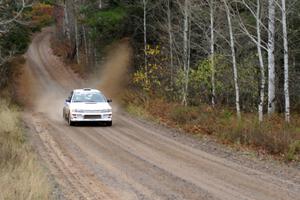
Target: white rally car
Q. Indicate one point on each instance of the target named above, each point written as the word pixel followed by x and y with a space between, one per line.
pixel 87 105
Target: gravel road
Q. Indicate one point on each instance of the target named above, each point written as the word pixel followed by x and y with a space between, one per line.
pixel 131 159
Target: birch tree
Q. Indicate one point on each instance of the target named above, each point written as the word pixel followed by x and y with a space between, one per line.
pixel 66 29
pixel 186 50
pixel 286 61
pixel 74 8
pixel 170 39
pixel 85 45
pixel 212 52
pixel 234 63
pixel 100 4
pixel 271 58
pixel 261 63
pixel 144 2
pixel 258 42
pixel 77 41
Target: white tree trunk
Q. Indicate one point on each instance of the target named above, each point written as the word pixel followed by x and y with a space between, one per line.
pixel 258 41
pixel 261 64
pixel 145 36
pixel 77 41
pixel 185 52
pixel 100 4
pixel 96 56
pixel 170 39
pixel 66 22
pixel 234 64
pixel 271 58
pixel 286 62
pixel 212 52
pixel 90 53
pixel 85 46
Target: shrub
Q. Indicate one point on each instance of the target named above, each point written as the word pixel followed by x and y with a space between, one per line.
pixel 182 114
pixel 40 15
pixel 272 135
pixel 17 39
pixel 136 110
pixel 294 151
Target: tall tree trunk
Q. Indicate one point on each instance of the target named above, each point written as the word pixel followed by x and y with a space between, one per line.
pixel 170 40
pixel 91 53
pixel 85 45
pixel 77 41
pixel 186 52
pixel 96 56
pixel 100 4
pixel 261 64
pixel 271 58
pixel 212 52
pixel 286 62
pixel 234 64
pixel 66 22
pixel 145 36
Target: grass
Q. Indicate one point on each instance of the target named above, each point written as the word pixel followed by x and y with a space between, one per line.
pixel 294 151
pixel 137 111
pixel 273 136
pixel 21 176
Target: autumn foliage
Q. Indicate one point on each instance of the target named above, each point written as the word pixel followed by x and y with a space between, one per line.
pixel 40 15
pixel 273 136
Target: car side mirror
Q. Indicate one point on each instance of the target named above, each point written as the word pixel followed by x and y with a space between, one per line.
pixel 67 100
pixel 109 100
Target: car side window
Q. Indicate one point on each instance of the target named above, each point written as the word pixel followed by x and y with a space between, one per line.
pixel 70 97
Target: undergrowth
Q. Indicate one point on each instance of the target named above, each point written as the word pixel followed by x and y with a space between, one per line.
pixel 273 136
pixel 21 176
pixel 63 50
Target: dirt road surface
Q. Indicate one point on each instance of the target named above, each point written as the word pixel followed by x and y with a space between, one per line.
pixel 131 159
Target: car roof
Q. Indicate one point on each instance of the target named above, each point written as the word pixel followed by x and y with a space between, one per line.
pixel 86 90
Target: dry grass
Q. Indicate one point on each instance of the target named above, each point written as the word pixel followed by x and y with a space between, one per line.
pixel 21 176
pixel 273 136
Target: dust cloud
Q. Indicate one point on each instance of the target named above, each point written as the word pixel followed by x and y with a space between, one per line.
pixel 112 77
pixel 52 84
pixel 51 103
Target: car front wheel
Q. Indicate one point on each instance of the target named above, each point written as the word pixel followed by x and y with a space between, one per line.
pixel 70 121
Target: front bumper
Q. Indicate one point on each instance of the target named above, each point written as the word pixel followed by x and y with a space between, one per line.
pixel 91 117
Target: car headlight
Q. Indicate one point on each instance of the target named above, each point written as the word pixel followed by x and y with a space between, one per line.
pixel 78 110
pixel 106 111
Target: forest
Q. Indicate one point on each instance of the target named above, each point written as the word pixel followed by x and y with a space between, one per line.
pixel 228 68
pixel 241 54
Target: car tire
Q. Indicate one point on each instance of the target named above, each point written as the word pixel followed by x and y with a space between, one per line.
pixel 69 121
pixel 109 123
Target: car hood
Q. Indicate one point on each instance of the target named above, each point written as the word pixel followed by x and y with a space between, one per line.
pixel 90 106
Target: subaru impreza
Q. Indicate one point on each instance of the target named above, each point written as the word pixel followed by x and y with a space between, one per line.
pixel 87 105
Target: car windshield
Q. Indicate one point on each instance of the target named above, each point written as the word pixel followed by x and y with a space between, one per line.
pixel 88 97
